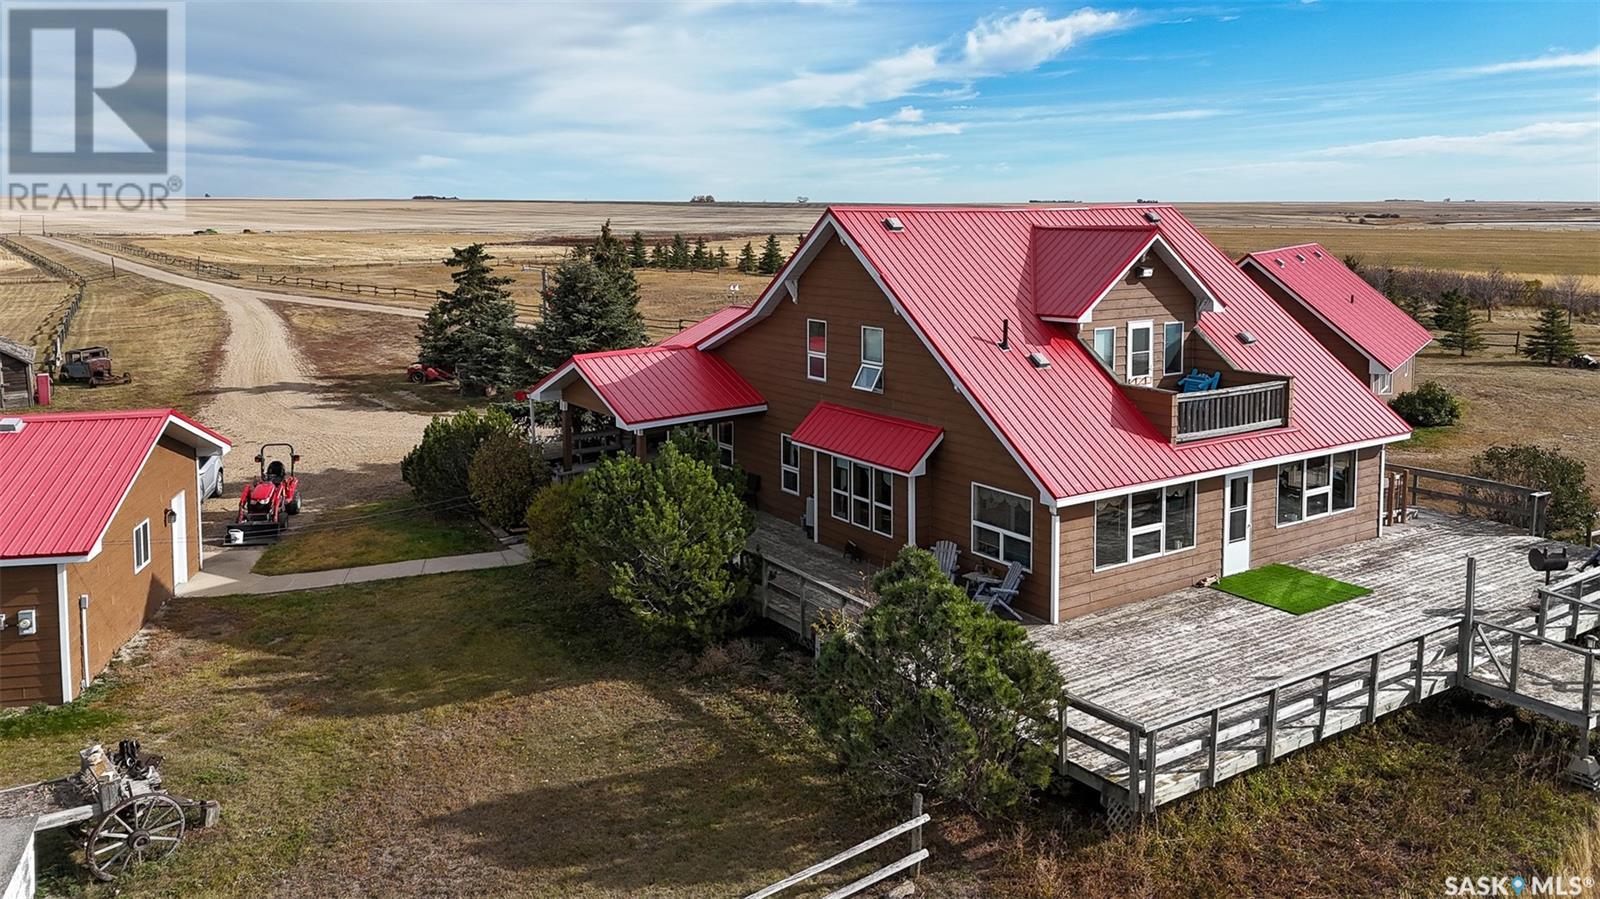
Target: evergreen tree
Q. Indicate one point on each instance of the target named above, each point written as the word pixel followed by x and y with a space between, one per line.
pixel 587 308
pixel 1552 339
pixel 658 256
pixel 608 251
pixel 1454 316
pixel 700 258
pixel 747 259
pixel 473 328
pixel 636 252
pixel 680 252
pixel 722 258
pixel 771 256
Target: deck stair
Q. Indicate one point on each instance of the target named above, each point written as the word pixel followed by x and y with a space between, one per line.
pixel 1534 658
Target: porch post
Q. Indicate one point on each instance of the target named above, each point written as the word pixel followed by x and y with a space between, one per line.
pixel 911 510
pixel 566 436
pixel 639 446
pixel 816 500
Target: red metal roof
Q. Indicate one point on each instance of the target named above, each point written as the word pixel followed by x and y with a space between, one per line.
pixel 705 327
pixel 1074 267
pixel 1345 301
pixel 957 271
pixel 63 477
pixel 651 386
pixel 884 441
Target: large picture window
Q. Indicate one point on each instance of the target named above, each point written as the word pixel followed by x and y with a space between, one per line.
pixel 816 349
pixel 870 375
pixel 1002 526
pixel 789 464
pixel 1318 486
pixel 1172 348
pixel 1144 524
pixel 863 496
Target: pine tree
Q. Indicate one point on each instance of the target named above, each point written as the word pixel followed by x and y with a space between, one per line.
pixel 747 259
pixel 1552 337
pixel 658 256
pixel 587 308
pixel 608 252
pixel 636 252
pixel 680 252
pixel 1413 305
pixel 722 258
pixel 473 328
pixel 1454 316
pixel 771 256
pixel 700 258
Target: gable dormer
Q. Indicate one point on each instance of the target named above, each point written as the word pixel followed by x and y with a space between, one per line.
pixel 1073 270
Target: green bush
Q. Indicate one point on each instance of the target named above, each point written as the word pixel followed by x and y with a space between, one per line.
pixel 552 537
pixel 699 445
pixel 931 692
pixel 1428 406
pixel 1571 511
pixel 505 474
pixel 666 534
pixel 439 468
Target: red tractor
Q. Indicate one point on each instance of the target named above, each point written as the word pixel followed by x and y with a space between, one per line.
pixel 427 374
pixel 268 499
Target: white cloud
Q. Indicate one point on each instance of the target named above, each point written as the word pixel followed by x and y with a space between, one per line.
pixel 1587 60
pixel 1530 141
pixel 907 122
pixel 994 46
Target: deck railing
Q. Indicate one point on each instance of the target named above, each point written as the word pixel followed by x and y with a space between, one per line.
pixel 1566 603
pixel 795 600
pixel 1522 507
pixel 1232 410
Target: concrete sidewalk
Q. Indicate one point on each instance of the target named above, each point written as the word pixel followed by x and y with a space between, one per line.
pixel 227 572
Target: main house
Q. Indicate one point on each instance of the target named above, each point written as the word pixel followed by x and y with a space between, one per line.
pixel 1373 337
pixel 1096 393
pixel 99 523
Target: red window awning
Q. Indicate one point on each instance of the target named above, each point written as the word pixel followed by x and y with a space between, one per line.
pixel 895 444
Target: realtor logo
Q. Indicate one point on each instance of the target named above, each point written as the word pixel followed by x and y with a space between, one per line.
pixel 93 104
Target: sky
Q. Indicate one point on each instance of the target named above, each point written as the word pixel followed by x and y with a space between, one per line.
pixel 895 102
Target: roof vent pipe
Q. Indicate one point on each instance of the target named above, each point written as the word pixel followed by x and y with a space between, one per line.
pixel 1005 334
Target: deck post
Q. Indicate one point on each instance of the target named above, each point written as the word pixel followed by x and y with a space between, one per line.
pixel 1464 653
pixel 1061 734
pixel 1372 687
pixel 1583 769
pixel 766 589
pixel 1422 653
pixel 641 447
pixel 1516 658
pixel 1211 747
pixel 1150 771
pixel 1272 726
pixel 1133 771
pixel 1322 706
pixel 566 436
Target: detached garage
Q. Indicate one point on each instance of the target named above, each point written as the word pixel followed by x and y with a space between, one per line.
pixel 99 523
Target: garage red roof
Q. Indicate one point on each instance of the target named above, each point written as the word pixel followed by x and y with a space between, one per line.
pixel 655 386
pixel 705 327
pixel 1345 301
pixel 1074 267
pixel 63 477
pixel 956 272
pixel 897 444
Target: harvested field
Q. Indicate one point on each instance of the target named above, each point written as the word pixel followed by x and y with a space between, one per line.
pixel 1547 253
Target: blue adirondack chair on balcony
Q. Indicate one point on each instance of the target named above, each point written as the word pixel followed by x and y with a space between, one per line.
pixel 1195 382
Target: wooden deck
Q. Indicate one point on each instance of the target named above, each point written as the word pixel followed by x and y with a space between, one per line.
pixel 799 580
pixel 1174 694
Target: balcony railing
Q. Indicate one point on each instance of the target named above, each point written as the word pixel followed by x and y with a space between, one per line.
pixel 1232 410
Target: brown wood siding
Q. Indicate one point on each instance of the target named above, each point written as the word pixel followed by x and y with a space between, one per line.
pixel 1352 358
pixel 581 394
pixel 1158 299
pixel 120 600
pixel 771 354
pixel 30 667
pixel 1085 590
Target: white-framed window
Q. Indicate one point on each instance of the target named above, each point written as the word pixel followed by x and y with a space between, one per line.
pixel 1002 526
pixel 1144 524
pixel 1139 336
pixel 863 495
pixel 870 375
pixel 816 349
pixel 724 437
pixel 1383 384
pixel 1318 486
pixel 789 464
pixel 141 546
pixel 1105 346
pixel 1172 348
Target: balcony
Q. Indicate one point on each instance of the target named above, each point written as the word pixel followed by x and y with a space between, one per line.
pixel 1249 401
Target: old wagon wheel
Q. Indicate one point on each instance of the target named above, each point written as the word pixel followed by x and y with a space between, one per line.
pixel 144 828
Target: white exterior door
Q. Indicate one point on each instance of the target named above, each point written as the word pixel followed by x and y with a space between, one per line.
pixel 180 539
pixel 1236 524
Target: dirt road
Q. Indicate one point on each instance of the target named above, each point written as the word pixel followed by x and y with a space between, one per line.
pixel 265 391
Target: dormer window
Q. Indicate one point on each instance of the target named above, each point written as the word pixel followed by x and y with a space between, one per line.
pixel 870 375
pixel 1139 334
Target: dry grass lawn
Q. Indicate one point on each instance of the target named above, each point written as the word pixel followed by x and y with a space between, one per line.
pixel 370 371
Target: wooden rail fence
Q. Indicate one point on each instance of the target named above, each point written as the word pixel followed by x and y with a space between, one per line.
pixel 57 340
pixel 1522 507
pixel 377 290
pixel 912 860
pixel 192 263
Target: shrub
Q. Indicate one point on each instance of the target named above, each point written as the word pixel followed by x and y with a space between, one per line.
pixel 438 469
pixel 505 474
pixel 1572 507
pixel 698 445
pixel 552 539
pixel 1428 406
pixel 666 534
pixel 931 692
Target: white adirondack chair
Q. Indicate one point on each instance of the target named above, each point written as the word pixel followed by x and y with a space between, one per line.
pixel 947 553
pixel 1001 595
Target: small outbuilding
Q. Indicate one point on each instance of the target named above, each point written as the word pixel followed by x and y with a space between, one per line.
pixel 99 525
pixel 16 374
